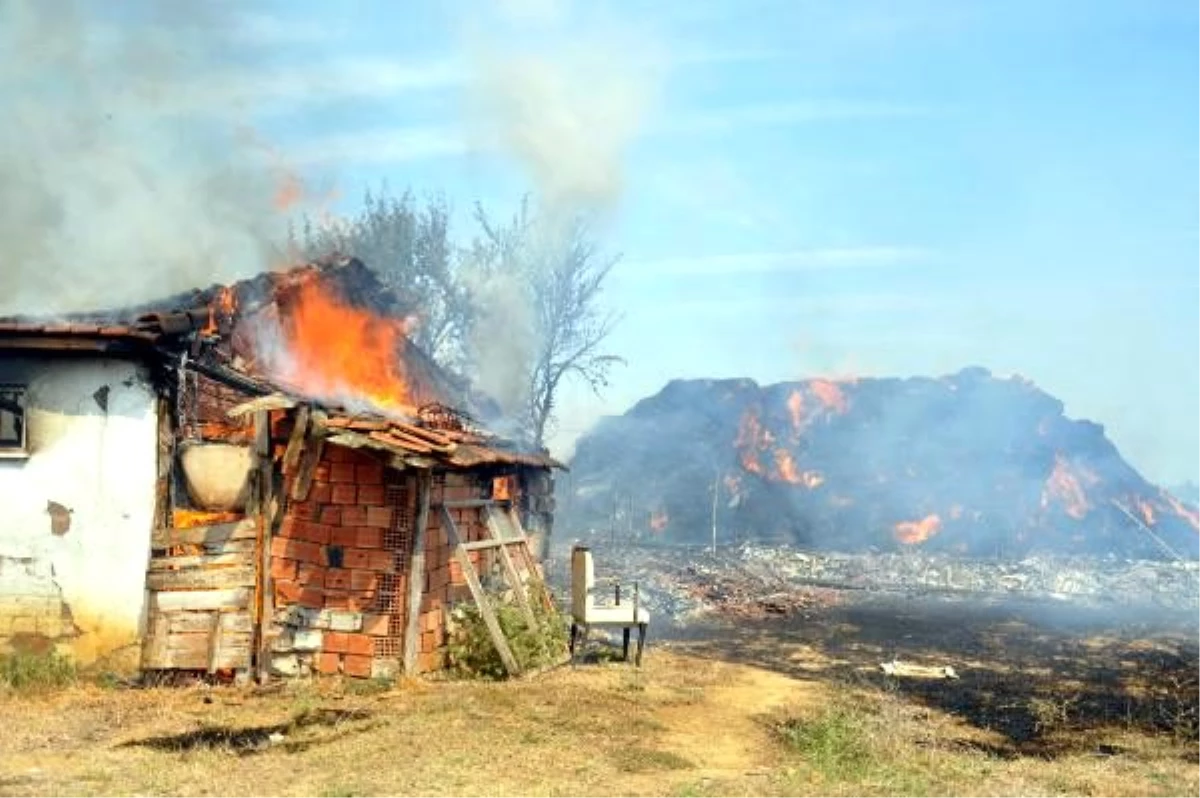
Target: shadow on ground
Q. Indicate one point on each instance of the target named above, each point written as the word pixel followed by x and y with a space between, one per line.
pixel 247 740
pixel 1042 675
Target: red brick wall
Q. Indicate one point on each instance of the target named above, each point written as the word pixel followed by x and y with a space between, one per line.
pixel 350 617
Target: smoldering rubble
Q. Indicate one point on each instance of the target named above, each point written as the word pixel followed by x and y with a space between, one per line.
pixel 682 585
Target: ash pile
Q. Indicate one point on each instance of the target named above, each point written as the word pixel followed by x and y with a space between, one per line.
pixel 968 465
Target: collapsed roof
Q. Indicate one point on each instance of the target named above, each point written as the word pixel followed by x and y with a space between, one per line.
pixel 263 336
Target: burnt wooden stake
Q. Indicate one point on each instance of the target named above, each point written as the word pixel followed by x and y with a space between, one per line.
pixel 266 507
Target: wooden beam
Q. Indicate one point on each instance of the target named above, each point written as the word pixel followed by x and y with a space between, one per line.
pixel 481 598
pixel 416 574
pixel 295 445
pixel 201 600
pixel 313 449
pixel 275 401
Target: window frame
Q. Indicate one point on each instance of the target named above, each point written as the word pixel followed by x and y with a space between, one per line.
pixel 18 394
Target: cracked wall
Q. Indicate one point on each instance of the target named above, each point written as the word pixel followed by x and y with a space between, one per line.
pixel 77 511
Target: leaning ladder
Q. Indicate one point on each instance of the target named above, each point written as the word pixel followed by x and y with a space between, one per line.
pixel 504 530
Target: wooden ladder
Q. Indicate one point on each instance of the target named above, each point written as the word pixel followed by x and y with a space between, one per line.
pixel 504 530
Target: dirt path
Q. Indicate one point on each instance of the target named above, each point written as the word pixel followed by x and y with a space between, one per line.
pixel 727 736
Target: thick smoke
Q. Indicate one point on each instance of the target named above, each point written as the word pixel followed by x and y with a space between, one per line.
pixel 123 173
pixel 562 97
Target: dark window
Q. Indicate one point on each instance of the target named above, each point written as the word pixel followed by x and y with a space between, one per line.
pixel 12 421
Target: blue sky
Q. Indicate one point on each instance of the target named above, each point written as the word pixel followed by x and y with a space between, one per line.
pixel 804 188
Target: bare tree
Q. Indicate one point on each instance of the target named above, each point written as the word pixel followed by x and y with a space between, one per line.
pixel 409 248
pixel 562 271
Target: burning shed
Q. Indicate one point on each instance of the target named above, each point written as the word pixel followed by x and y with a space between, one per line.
pixel 261 478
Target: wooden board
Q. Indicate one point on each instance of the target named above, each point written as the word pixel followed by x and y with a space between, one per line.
pixel 210 535
pixel 416 574
pixel 202 579
pixel 199 561
pixel 197 641
pixel 495 526
pixel 231 599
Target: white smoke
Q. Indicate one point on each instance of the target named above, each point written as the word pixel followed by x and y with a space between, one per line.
pixel 115 185
pixel 563 95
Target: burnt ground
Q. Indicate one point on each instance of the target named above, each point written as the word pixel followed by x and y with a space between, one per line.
pixel 1048 677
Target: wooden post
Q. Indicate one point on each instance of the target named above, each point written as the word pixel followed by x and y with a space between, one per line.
pixel 416 574
pixel 266 501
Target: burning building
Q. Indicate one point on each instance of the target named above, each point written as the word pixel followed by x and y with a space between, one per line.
pixel 966 464
pixel 267 477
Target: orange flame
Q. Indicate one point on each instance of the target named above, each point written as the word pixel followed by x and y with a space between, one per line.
pixel 222 307
pixel 829 395
pixel 659 520
pixel 795 406
pixel 1147 512
pixel 913 532
pixel 1185 512
pixel 187 519
pixel 1063 487
pixel 751 439
pixel 289 192
pixel 337 351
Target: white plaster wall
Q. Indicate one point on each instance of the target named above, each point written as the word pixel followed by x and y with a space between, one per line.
pixel 102 466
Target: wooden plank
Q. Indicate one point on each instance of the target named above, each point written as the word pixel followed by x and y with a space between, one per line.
pixel 471 504
pixel 206 579
pixel 427 435
pixel 480 545
pixel 195 652
pixel 191 621
pixel 481 598
pixel 275 401
pixel 416 574
pixel 295 445
pixel 155 642
pixel 232 598
pixel 199 561
pixel 214 641
pixel 514 579
pixel 314 447
pixel 209 535
pixel 402 442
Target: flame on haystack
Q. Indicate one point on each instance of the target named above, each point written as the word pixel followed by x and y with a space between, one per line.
pixel 1181 509
pixel 752 438
pixel 829 395
pixel 337 351
pixel 1064 487
pixel 913 532
pixel 795 406
pixel 659 520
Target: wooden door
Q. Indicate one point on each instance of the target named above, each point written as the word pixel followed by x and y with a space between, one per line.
pixel 201 589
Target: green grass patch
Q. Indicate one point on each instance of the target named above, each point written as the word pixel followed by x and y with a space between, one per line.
pixel 835 743
pixel 31 673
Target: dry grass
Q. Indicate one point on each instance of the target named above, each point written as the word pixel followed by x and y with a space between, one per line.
pixel 680 726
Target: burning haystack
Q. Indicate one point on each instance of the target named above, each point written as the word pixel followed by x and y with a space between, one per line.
pixel 966 464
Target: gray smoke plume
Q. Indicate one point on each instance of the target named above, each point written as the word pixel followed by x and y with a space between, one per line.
pixel 122 175
pixel 563 98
